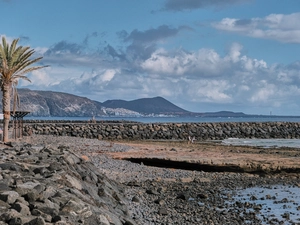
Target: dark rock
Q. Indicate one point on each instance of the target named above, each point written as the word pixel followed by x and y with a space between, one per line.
pixel 163 211
pixel 151 192
pixel 202 196
pixel 15 221
pixel 36 221
pixel 9 166
pixel 135 199
pixel 183 196
pixel 159 201
pixel 9 196
pixel 21 208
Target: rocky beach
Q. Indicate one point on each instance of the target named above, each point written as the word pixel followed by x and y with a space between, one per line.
pixel 50 179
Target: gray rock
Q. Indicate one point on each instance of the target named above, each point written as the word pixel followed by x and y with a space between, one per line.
pixel 36 221
pixel 21 208
pixel 9 196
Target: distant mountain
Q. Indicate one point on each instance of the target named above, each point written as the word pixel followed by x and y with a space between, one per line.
pixel 50 103
pixel 223 114
pixel 157 105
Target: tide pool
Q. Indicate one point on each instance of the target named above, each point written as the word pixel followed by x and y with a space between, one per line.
pixel 266 143
pixel 278 204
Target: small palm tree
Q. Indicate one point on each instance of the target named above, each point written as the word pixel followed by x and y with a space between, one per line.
pixel 14 63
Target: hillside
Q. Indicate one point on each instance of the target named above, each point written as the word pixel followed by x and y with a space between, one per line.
pixel 59 104
pixel 157 105
pixel 49 103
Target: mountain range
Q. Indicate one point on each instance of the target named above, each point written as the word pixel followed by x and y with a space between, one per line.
pixel 59 104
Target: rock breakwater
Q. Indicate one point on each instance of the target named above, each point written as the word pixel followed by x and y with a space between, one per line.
pixel 42 184
pixel 176 131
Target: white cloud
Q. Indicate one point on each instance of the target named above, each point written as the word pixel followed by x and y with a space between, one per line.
pixel 199 77
pixel 265 92
pixel 280 27
pixel 40 50
pixel 204 62
pixel 210 91
pixel 108 75
pixel 235 52
pixel 39 77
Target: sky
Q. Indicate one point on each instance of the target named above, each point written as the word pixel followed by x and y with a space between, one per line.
pixel 201 55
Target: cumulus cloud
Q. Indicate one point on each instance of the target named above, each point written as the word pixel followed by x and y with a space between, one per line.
pixel 137 45
pixel 200 63
pixel 64 47
pixel 144 43
pixel 203 76
pixel 279 27
pixel 181 5
pixel 66 54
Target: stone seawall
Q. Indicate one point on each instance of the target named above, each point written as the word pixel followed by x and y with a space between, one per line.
pixel 176 131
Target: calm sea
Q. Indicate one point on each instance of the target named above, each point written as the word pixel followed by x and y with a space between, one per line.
pixel 177 119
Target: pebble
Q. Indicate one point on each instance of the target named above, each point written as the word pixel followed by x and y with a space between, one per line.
pixel 157 195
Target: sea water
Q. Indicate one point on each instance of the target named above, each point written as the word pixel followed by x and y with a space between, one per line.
pixel 265 143
pixel 280 202
pixel 166 119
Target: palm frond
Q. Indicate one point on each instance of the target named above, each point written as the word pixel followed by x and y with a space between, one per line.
pixel 21 57
pixel 11 49
pixel 4 44
pixel 22 67
pixel 21 77
pixel 15 55
pixel 15 62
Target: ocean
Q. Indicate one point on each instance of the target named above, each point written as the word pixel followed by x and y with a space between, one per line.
pixel 163 119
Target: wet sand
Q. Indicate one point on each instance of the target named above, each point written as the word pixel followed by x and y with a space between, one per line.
pixel 214 155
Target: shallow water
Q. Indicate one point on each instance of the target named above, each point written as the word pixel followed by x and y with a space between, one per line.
pixel 272 202
pixel 267 143
pixel 277 204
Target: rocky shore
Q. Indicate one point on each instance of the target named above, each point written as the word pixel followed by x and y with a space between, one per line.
pixel 73 180
pixel 45 183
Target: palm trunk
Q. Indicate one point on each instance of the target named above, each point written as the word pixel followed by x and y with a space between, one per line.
pixel 6 90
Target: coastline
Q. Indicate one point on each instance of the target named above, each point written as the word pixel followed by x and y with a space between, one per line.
pixel 165 195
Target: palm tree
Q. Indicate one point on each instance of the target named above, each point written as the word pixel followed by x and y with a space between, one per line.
pixel 14 63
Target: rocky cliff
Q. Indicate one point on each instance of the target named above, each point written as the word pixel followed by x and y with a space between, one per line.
pixel 48 103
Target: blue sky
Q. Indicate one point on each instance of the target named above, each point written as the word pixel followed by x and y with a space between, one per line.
pixel 202 55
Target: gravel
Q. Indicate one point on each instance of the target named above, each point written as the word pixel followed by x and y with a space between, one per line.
pixel 173 196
